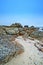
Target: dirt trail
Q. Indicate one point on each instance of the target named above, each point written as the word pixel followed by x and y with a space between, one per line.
pixel 31 55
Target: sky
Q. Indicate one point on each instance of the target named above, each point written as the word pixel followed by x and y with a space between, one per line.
pixel 26 12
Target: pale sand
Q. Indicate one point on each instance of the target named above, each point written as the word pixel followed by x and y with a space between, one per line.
pixel 31 55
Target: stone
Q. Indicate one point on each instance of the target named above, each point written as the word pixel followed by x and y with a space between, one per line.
pixel 12 31
pixel 37 34
pixel 26 26
pixel 2 31
pixel 20 29
pixel 18 25
pixel 22 33
pixel 39 45
pixel 8 50
pixel 19 48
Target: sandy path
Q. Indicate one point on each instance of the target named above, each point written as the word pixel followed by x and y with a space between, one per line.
pixel 31 55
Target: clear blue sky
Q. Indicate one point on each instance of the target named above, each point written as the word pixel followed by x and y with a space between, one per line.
pixel 24 11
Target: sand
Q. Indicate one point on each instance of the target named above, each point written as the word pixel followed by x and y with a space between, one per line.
pixel 31 55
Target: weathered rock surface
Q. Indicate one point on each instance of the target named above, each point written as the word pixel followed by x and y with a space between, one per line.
pixel 39 45
pixel 8 50
pixel 12 31
pixel 37 33
pixel 18 29
pixel 9 47
pixel 2 31
pixel 31 55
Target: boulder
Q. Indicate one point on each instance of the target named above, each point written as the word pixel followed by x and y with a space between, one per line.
pixel 20 29
pixel 26 26
pixel 12 31
pixel 17 25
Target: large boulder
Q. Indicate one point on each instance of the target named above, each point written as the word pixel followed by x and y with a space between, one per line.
pixel 12 31
pixel 8 50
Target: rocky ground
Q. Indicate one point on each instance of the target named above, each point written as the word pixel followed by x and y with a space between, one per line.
pixel 9 49
pixel 24 41
pixel 30 56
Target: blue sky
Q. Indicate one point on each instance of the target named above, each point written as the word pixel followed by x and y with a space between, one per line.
pixel 23 11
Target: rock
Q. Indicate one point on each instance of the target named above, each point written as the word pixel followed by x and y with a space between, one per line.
pixel 21 29
pixel 17 25
pixel 19 48
pixel 12 31
pixel 22 33
pixel 25 35
pixel 26 26
pixel 37 34
pixel 8 50
pixel 2 31
pixel 32 27
pixel 41 49
pixel 39 45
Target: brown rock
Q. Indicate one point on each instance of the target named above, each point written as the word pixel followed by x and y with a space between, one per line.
pixel 39 46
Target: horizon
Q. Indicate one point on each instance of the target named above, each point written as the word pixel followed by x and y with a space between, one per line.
pixel 26 12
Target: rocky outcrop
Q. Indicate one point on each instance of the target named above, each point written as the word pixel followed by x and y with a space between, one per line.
pixel 12 31
pixel 17 29
pixel 9 47
pixel 8 50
